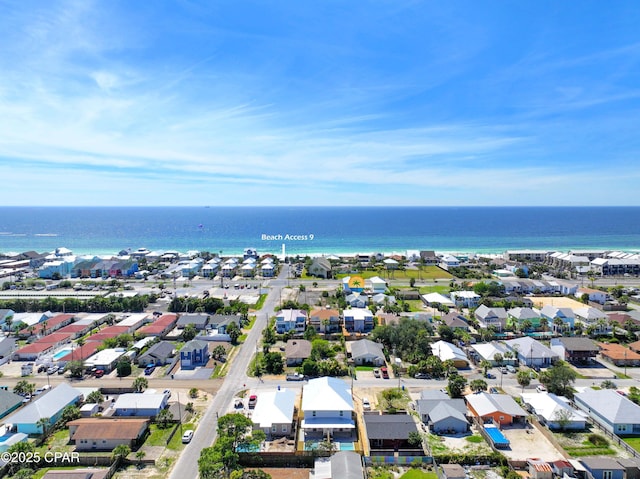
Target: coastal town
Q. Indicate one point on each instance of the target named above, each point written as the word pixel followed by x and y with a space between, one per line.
pixel 413 364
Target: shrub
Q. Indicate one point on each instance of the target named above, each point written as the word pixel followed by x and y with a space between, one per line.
pixel 597 440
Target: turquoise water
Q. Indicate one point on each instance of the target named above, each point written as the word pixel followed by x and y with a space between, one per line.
pixel 347 446
pixel 312 230
pixel 60 354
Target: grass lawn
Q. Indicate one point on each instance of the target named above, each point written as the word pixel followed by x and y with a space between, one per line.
pixel 474 439
pixel 252 321
pixel 176 441
pixel 364 368
pixel 57 442
pixel 436 288
pixel 428 273
pixel 634 442
pixel 157 436
pixel 259 304
pixel 418 474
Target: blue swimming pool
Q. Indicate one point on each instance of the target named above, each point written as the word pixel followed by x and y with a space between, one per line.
pixel 61 354
pixel 497 438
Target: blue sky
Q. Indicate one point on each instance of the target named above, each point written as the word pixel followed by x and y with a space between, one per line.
pixel 319 103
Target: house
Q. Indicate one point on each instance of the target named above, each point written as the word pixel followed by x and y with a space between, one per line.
pixel 595 295
pixel 135 404
pixel 491 317
pixel 7 346
pixel 160 327
pixel 46 406
pixel 434 299
pixel 325 320
pixel 575 349
pixel 198 320
pixel 539 469
pixel 220 322
pixel 552 313
pixel 9 402
pixel 532 352
pixel 382 299
pixel 368 352
pixel 376 285
pixel 428 258
pixel 488 351
pixel 452 471
pixel 357 300
pixel 501 409
pixel 516 317
pixel 341 465
pixel 158 354
pixel 327 406
pixel 611 410
pixel 619 355
pixel 296 351
pixel 291 320
pixel 441 414
pixel 555 411
pixel 447 351
pixel 456 321
pixel 104 434
pixel 274 413
pixel 589 315
pixel 320 268
pixel 389 431
pixel 193 354
pixel 105 359
pixel 602 468
pixel 465 299
pixel 358 320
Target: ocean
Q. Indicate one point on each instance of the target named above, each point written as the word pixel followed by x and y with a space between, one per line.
pixel 316 230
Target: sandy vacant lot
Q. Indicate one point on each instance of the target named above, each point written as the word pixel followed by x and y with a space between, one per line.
pixel 558 302
pixel 529 442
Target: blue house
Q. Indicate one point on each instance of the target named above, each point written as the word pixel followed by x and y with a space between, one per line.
pixel 603 468
pixel 49 405
pixel 193 354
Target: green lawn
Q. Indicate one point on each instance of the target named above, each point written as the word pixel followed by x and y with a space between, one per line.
pixel 259 304
pixel 364 368
pixel 157 436
pixel 436 288
pixel 474 439
pixel 634 442
pixel 428 273
pixel 418 474
pixel 176 441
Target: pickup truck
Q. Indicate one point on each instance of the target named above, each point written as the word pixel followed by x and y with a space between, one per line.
pixel 295 377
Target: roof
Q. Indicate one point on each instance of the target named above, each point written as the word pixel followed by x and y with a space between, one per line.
pixel 489 350
pixel 453 471
pixel 589 313
pixel 612 406
pixel 366 347
pixel 485 404
pixel 445 351
pixel 298 348
pixel 455 320
pixel 324 313
pixel 77 474
pixel 484 312
pixel 530 348
pixel 548 405
pixel 106 428
pixel 579 344
pixel 357 313
pixel 433 394
pixel 161 349
pixel 618 352
pixel 274 407
pixel 437 298
pixel 523 313
pixel 452 408
pixel 46 405
pixel 347 465
pixel 140 401
pixel 194 345
pixel 327 394
pixel 389 426
pixel 8 401
pixel 597 462
pixel 195 319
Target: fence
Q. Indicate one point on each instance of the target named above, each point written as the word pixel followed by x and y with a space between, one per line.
pixel 398 460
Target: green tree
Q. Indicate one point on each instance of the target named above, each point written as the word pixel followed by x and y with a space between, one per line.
pixel 485 365
pixel 75 368
pixel 249 474
pixel 218 352
pixel 140 384
pixel 478 385
pixel 234 332
pixel 189 332
pixel 24 387
pixel 562 417
pixel 43 423
pixel 120 452
pixel 273 363
pixel 164 418
pixel 456 385
pixel 123 366
pixel 193 393
pixel 415 439
pixel 608 384
pixel 70 413
pixel 94 397
pixel 524 378
pixel 559 379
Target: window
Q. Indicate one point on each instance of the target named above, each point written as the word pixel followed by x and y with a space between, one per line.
pixel 341 413
pixel 314 414
pixel 606 474
pixel 284 428
pixel 274 428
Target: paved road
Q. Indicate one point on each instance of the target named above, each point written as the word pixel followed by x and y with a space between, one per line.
pixel 235 380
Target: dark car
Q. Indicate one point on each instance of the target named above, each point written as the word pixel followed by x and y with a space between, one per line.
pixel 422 376
pixel 491 376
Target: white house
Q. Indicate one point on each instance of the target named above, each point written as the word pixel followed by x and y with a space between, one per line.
pixel 359 320
pixel 375 284
pixel 327 404
pixel 274 413
pixel 555 411
pixel 531 352
pixel 465 299
pixel 447 351
pixel 291 320
pixel 146 404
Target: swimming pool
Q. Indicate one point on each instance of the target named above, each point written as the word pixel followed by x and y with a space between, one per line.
pixel 497 438
pixel 61 354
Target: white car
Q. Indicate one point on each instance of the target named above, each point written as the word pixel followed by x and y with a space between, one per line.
pixel 541 389
pixel 187 436
pixel 366 405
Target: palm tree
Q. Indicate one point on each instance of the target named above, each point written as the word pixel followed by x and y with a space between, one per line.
pixel 485 365
pixel 558 324
pixel 43 423
pixel 140 384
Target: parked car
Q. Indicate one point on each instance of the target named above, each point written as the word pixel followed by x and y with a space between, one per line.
pixel 187 436
pixel 511 369
pixel 149 369
pixel 376 373
pixel 253 399
pixel 295 377
pixel 366 405
pixel 99 373
pixel 52 370
pixel 491 376
pixel 422 376
pixel 540 388
pixel 384 372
